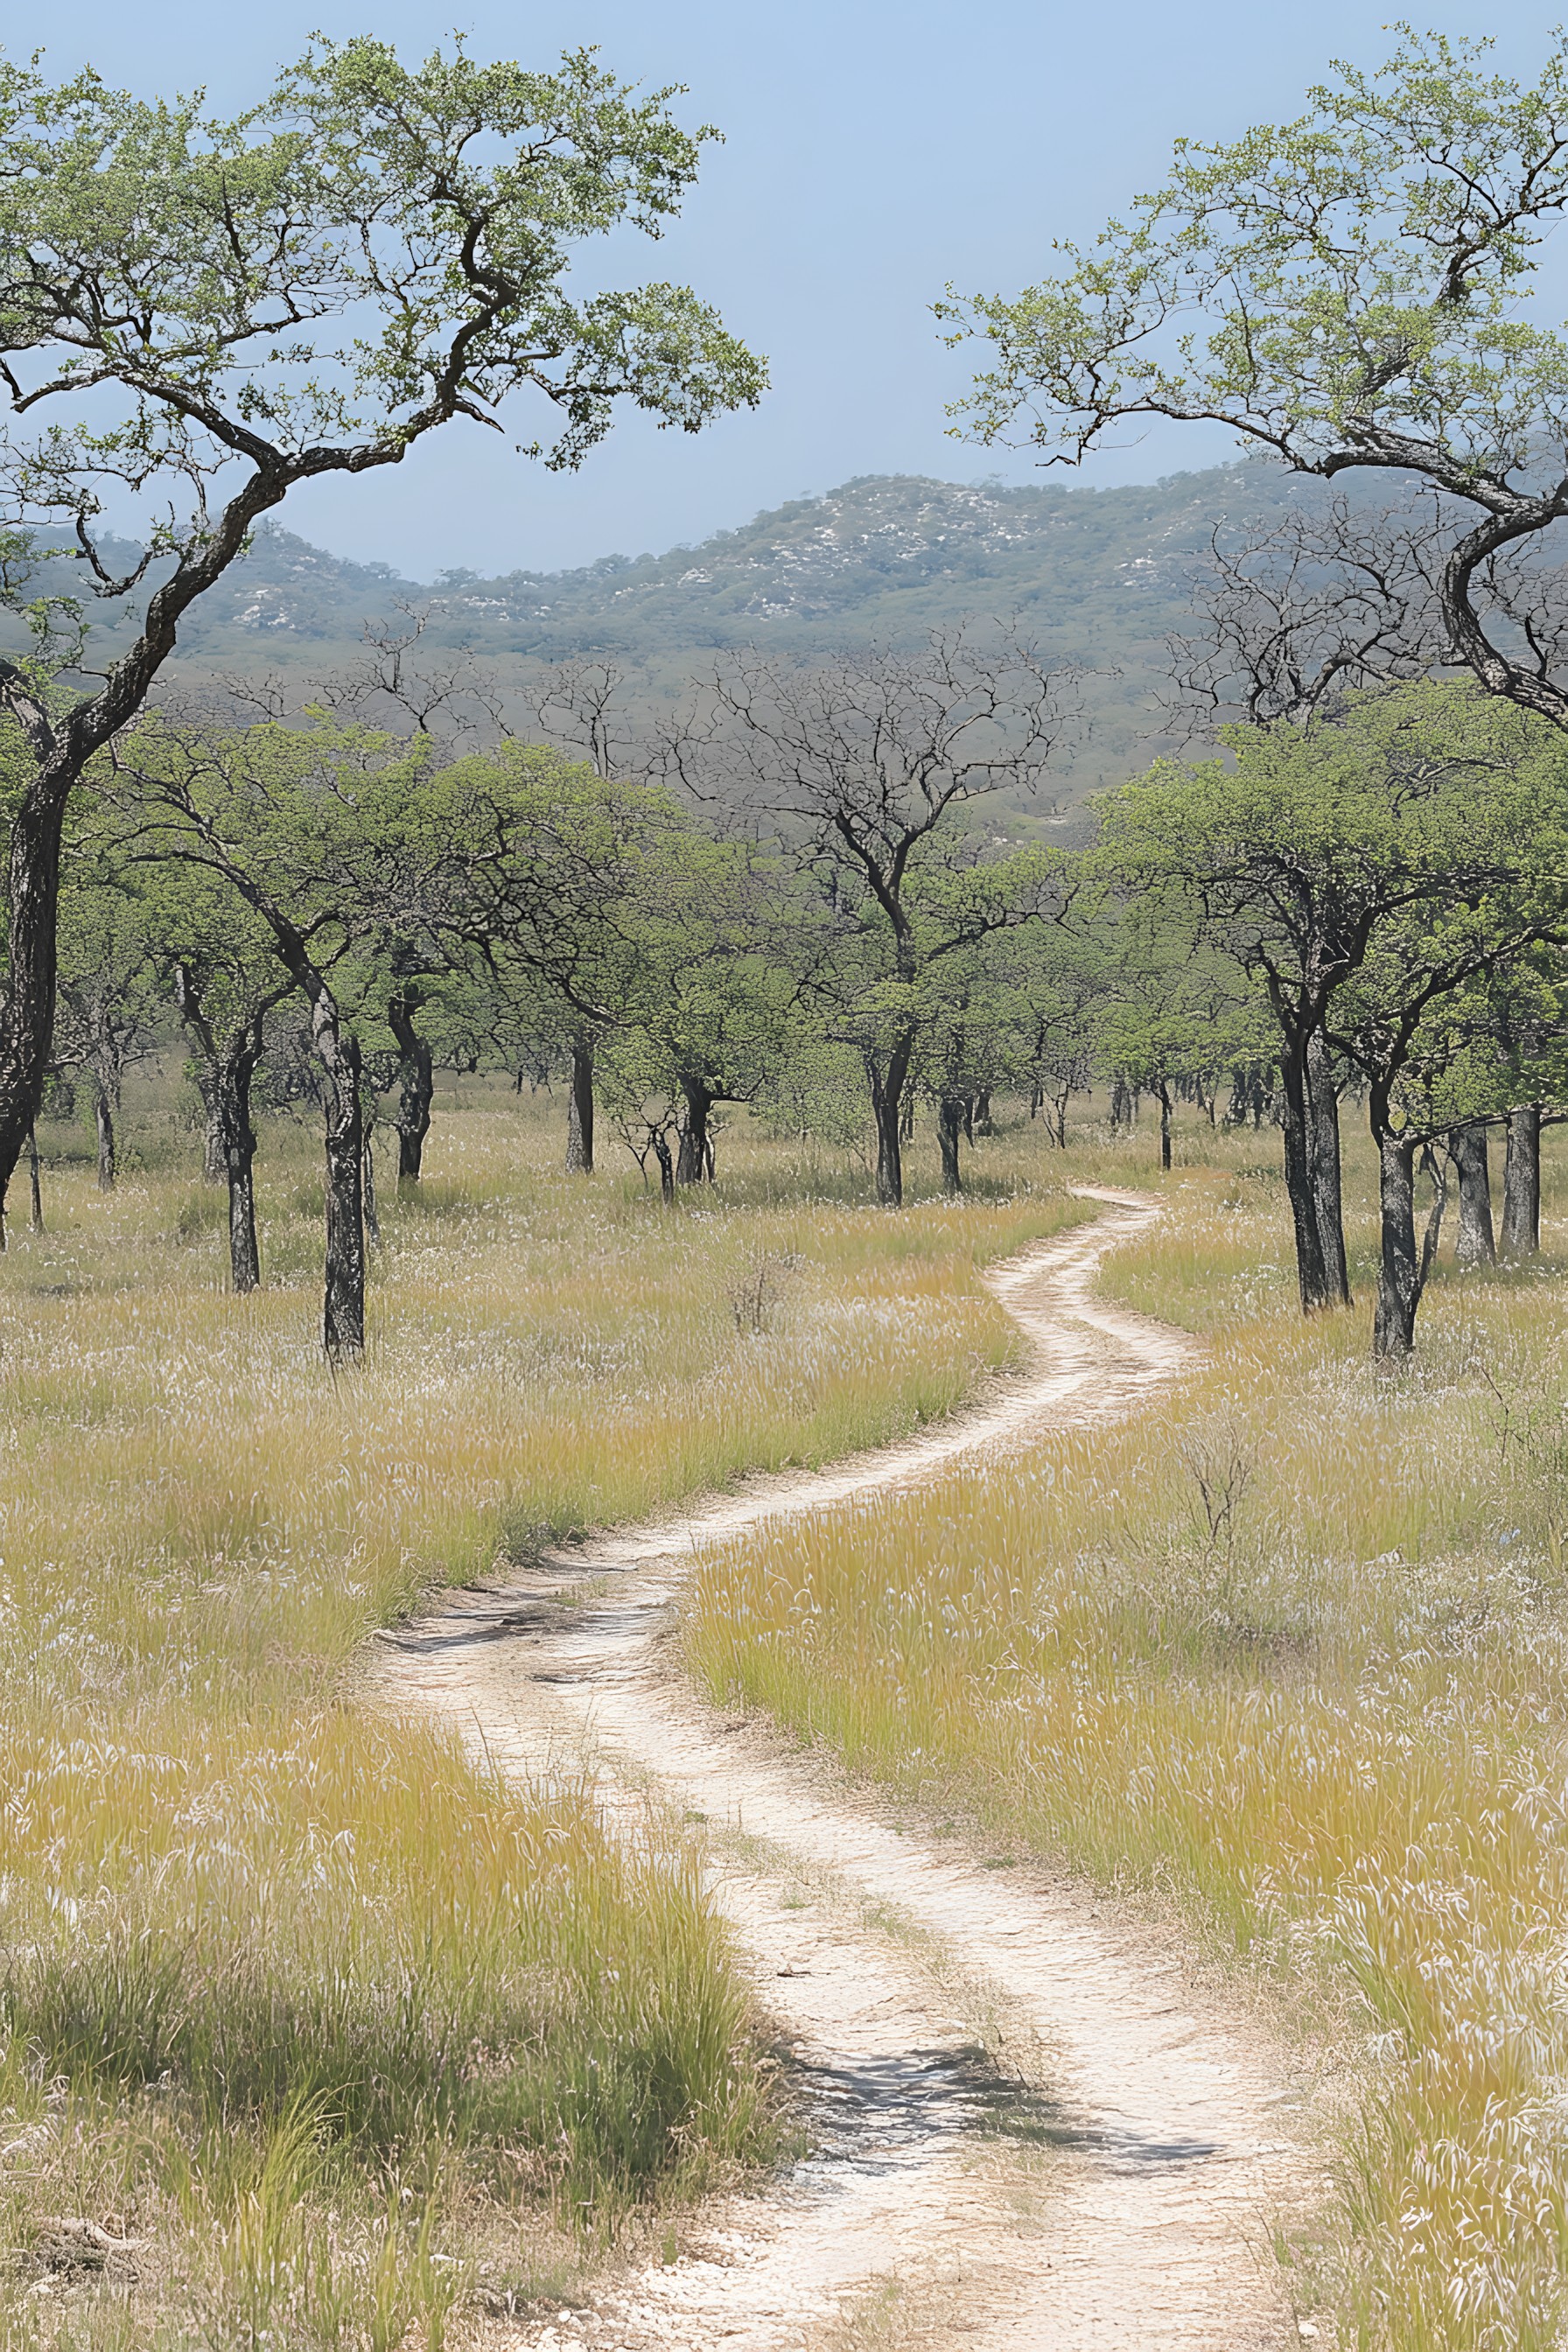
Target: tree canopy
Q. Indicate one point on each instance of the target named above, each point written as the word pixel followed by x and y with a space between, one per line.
pixel 1346 290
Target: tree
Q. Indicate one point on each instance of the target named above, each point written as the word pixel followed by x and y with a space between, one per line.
pixel 1345 292
pixel 548 866
pixel 202 315
pixel 1174 1015
pixel 719 980
pixel 109 1002
pixel 1303 847
pixel 872 763
pixel 224 973
pixel 321 836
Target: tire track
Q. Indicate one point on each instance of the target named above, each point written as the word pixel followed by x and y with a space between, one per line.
pixel 1115 2183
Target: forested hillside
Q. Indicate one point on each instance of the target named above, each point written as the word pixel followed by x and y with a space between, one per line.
pixel 1101 576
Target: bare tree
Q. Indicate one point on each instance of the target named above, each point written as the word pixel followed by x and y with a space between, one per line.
pixel 873 762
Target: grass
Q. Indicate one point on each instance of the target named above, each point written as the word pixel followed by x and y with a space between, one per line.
pixel 1324 1709
pixel 311 2034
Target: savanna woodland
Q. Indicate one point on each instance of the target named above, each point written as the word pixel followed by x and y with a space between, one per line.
pixel 459 1100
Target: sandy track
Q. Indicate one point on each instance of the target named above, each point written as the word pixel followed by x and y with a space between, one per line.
pixel 1104 2173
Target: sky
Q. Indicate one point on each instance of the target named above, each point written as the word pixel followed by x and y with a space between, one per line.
pixel 874 152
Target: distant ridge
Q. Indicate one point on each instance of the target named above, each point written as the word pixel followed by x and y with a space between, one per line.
pixel 1101 577
pixel 889 555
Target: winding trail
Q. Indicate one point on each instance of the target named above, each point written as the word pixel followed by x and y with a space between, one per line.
pixel 1031 2126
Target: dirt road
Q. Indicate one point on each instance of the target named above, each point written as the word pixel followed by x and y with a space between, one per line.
pixel 1030 2127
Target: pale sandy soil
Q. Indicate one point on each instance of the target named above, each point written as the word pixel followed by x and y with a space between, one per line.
pixel 1034 2125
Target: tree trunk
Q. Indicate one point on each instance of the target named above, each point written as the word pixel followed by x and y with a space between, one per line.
pixel 232 1090
pixel 1323 1168
pixel 1162 1095
pixel 1311 1274
pixel 35 1176
pixel 28 1018
pixel 223 1074
pixel 661 1152
pixel 887 1073
pixel 982 1125
pixel 1476 1244
pixel 579 1109
pixel 1522 1185
pixel 417 1086
pixel 949 1128
pixel 372 1219
pixel 103 1117
pixel 694 1163
pixel 1399 1278
pixel 342 1319
pixel 1121 1102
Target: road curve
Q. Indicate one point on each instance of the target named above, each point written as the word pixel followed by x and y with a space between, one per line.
pixel 1031 2129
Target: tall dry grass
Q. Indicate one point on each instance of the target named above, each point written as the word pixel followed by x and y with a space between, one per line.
pixel 304 2024
pixel 1293 1647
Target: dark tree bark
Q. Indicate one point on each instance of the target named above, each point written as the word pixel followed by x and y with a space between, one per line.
pixel 1403 1273
pixel 1399 1278
pixel 949 1129
pixel 1162 1096
pixel 240 1165
pixel 661 1152
pixel 1522 1184
pixel 694 1164
pixel 35 1181
pixel 1323 1168
pixel 227 1068
pixel 342 1317
pixel 887 1073
pixel 981 1110
pixel 1123 1111
pixel 103 1119
pixel 415 1085
pixel 1311 1136
pixel 1476 1243
pixel 1311 1274
pixel 372 1215
pixel 579 1109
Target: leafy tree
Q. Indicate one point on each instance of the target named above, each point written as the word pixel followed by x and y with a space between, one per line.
pixel 107 1014
pixel 318 834
pixel 1054 978
pixel 718 985
pixel 548 868
pixel 1345 291
pixel 1171 1017
pixel 201 315
pixel 1298 850
pixel 224 976
pixel 1363 874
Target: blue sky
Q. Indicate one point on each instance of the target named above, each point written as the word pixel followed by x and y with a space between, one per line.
pixel 874 152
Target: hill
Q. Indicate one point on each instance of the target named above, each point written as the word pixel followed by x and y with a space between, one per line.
pixel 1101 576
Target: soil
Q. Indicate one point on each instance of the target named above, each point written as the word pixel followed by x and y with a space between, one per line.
pixel 1031 2119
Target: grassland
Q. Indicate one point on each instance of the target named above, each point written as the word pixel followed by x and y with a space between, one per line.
pixel 1291 1653
pixel 311 2035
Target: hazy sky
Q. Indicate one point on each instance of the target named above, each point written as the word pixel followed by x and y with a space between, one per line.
pixel 874 152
